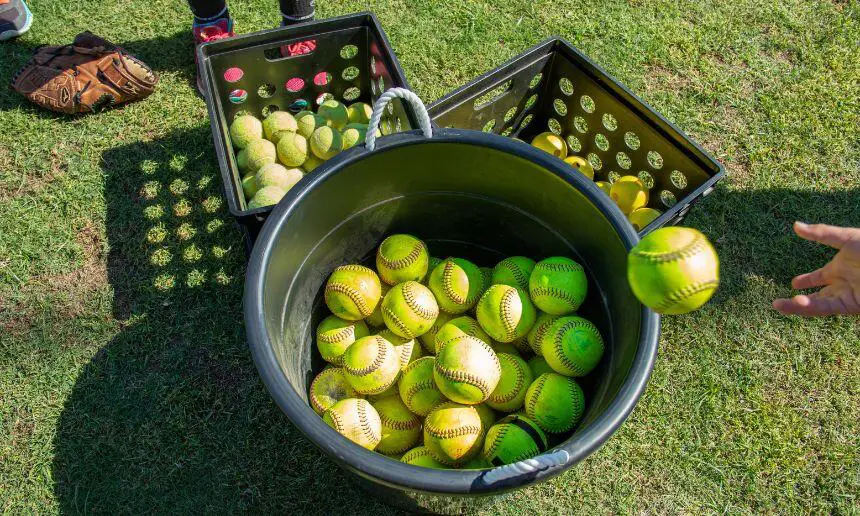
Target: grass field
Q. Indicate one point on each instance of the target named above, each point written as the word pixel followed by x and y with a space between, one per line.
pixel 126 385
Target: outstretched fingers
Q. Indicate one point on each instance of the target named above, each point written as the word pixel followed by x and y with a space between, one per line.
pixel 834 236
pixel 810 305
pixel 810 279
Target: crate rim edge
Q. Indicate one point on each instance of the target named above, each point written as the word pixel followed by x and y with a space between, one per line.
pixel 297 31
pixel 375 466
pixel 652 116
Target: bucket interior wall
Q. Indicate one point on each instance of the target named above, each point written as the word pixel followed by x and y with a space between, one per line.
pixel 464 200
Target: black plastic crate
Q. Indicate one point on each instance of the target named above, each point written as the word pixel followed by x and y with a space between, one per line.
pixel 353 61
pixel 555 87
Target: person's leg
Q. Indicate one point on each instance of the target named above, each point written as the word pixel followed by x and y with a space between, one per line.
pixel 15 19
pixel 296 11
pixel 211 22
pixel 208 11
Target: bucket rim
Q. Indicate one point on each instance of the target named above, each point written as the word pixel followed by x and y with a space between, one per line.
pixel 390 472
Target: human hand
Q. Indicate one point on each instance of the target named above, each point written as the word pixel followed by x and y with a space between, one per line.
pixel 839 279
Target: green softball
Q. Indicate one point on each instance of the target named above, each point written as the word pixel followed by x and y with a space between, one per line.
pixel 457 285
pixel 512 439
pixel 505 313
pixel 458 326
pixel 538 331
pixel 401 429
pixel 452 433
pixel 374 320
pixel 558 285
pixel 428 339
pixel 514 271
pixel 417 389
pixel 352 292
pixel 420 456
pixel 409 309
pixel 356 420
pixel 538 366
pixel 329 387
pixel 572 346
pixel 335 335
pixel 408 350
pixel 673 270
pixel 515 379
pixel 371 365
pixel 402 258
pixel 555 402
pixel 467 370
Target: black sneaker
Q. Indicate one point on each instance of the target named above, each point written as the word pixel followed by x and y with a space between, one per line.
pixel 15 19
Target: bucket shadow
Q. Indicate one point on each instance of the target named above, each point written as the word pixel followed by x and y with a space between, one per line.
pixel 171 416
pixel 752 231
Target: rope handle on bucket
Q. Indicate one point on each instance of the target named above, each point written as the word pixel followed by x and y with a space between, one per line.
pixel 379 108
pixel 539 463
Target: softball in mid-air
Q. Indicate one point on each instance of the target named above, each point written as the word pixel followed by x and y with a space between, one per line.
pixel 673 270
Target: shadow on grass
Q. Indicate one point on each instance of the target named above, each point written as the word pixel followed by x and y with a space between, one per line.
pixel 171 415
pixel 753 233
pixel 169 52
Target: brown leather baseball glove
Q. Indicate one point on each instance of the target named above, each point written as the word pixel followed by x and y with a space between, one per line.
pixel 88 75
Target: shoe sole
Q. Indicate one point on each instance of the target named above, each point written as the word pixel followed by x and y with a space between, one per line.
pixel 9 34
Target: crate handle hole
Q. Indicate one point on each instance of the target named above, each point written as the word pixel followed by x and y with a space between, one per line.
pixel 492 95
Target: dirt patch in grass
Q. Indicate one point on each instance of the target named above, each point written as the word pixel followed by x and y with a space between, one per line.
pixel 68 294
pixel 660 78
pixel 29 184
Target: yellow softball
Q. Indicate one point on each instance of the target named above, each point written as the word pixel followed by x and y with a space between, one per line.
pixel 408 350
pixel 456 283
pixel 356 420
pixel 420 456
pixel 371 365
pixel 572 346
pixel 457 327
pixel 452 433
pixel 352 292
pixel 428 339
pixel 335 335
pixel 329 387
pixel 374 320
pixel 418 389
pixel 673 270
pixel 402 258
pixel 510 392
pixel 409 309
pixel 401 429
pixel 536 334
pixel 467 370
pixel 555 402
pixel 505 313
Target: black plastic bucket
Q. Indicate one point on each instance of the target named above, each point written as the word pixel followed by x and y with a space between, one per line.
pixel 467 194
